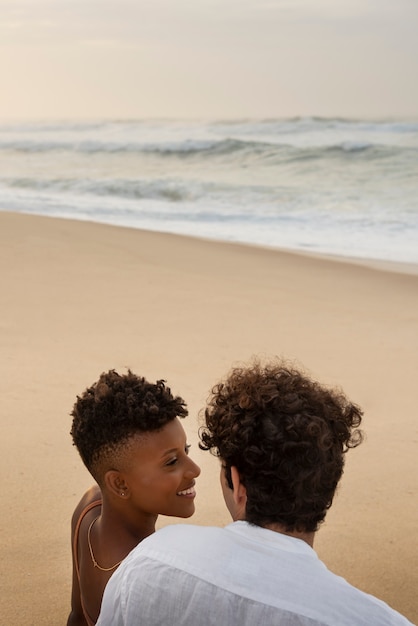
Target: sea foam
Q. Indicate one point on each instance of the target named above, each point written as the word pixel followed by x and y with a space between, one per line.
pixel 347 187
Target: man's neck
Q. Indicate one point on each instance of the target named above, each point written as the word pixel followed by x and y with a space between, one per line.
pixel 308 537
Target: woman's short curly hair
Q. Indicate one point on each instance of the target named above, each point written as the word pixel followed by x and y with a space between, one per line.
pixel 287 436
pixel 115 408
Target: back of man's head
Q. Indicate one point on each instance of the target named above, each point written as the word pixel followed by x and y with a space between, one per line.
pixel 286 435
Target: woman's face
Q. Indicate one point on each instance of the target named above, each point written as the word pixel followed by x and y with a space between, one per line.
pixel 159 474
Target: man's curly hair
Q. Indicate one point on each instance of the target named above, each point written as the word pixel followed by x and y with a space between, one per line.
pixel 287 436
pixel 115 408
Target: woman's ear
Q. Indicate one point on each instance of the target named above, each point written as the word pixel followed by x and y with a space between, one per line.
pixel 115 484
pixel 239 493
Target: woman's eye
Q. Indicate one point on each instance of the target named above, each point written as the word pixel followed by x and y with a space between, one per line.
pixel 175 459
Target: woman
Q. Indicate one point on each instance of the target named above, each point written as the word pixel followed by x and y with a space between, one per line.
pixel 129 437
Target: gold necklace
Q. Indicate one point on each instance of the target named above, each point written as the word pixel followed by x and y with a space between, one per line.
pixel 95 563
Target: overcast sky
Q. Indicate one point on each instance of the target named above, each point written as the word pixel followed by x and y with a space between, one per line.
pixel 208 58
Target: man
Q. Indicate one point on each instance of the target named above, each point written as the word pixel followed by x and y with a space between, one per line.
pixel 281 439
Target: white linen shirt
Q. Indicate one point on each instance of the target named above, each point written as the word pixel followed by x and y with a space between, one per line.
pixel 238 575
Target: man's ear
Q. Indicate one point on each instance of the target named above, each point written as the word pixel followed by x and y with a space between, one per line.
pixel 239 493
pixel 115 484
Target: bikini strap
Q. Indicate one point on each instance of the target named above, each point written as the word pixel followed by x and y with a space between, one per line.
pixel 83 513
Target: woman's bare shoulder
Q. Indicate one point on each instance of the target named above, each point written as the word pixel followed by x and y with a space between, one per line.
pixel 93 494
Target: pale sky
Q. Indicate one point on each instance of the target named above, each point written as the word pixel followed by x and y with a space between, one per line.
pixel 66 59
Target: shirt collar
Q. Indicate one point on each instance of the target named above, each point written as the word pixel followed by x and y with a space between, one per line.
pixel 267 536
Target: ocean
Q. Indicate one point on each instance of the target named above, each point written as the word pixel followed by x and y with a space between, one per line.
pixel 333 186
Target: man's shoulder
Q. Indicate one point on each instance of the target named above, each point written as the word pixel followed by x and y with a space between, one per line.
pixel 180 544
pixel 172 533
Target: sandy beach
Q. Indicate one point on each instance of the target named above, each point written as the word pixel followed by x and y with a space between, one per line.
pixel 80 298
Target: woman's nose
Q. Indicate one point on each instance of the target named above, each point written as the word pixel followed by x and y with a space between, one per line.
pixel 193 469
